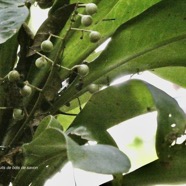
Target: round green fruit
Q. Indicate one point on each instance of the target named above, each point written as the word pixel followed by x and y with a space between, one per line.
pixel 93 88
pixel 41 62
pixel 26 91
pixel 18 114
pixel 91 8
pixel 47 46
pixel 86 20
pixel 83 70
pixel 94 36
pixel 13 76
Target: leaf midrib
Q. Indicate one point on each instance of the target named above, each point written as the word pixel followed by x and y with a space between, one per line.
pixel 145 51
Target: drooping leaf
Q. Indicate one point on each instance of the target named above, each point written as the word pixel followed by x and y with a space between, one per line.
pixel 110 107
pixel 171 122
pixel 116 104
pixel 12 16
pixel 102 159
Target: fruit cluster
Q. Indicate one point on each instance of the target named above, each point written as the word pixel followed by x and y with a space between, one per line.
pixel 42 61
pixel 87 20
pixel 94 36
pixel 25 90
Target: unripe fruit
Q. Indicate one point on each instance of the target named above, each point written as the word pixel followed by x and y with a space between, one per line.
pixel 86 20
pixel 26 91
pixel 13 76
pixel 40 62
pixel 94 36
pixel 91 8
pixel 18 114
pixel 83 70
pixel 93 88
pixel 47 46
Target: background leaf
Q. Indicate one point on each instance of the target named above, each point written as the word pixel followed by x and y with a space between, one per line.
pixel 12 16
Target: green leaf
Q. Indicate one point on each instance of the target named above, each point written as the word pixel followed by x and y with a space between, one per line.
pixel 76 104
pixel 116 104
pixel 65 120
pixel 176 75
pixel 8 57
pixel 50 149
pixel 171 122
pixel 102 159
pixel 45 3
pixel 110 107
pixel 58 4
pixel 44 156
pixel 110 15
pixel 157 172
pixel 12 16
pixel 7 61
pixel 155 38
pixel 47 122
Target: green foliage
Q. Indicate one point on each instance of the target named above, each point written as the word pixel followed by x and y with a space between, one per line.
pixel 12 16
pixel 70 100
pixel 51 148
